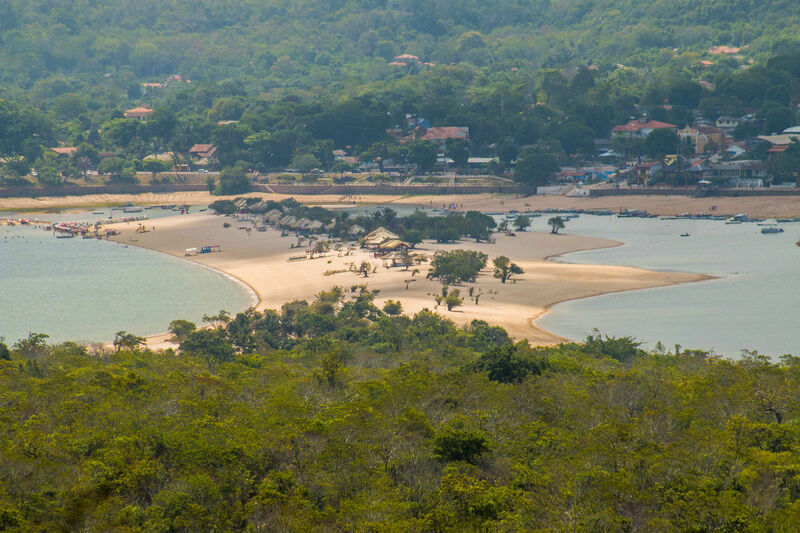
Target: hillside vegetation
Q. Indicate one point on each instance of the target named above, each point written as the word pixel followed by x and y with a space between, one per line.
pixel 335 416
pixel 311 42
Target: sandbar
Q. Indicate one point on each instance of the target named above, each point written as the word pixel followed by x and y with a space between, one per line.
pixel 261 260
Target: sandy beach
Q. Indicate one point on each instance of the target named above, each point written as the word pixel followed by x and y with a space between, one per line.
pixel 765 207
pixel 261 260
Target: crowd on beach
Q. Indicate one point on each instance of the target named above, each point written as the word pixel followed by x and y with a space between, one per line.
pixel 83 228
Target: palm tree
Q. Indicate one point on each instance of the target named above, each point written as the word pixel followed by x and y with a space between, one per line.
pixel 556 223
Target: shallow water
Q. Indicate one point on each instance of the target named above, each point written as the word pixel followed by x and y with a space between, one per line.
pixel 751 306
pixel 86 290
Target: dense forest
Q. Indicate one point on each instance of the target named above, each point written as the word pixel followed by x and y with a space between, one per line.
pixel 335 415
pixel 279 84
pixel 311 43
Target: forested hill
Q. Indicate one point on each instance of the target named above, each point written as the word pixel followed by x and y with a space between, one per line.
pixel 311 43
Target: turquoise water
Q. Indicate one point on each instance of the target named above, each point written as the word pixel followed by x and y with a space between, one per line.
pixel 86 290
pixel 753 304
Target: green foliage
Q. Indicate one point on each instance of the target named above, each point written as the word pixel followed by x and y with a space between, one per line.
pixel 509 363
pixel 453 299
pixel 457 266
pixel 556 223
pixel 522 222
pixel 535 167
pixel 623 349
pixel 458 441
pixel 272 421
pixel 5 353
pixel 232 180
pixel 181 329
pixel 504 268
pixel 392 307
pixel 223 207
pixel 128 341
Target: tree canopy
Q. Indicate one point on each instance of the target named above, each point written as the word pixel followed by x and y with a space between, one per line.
pixel 332 414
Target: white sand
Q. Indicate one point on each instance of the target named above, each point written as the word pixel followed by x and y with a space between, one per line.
pixel 260 259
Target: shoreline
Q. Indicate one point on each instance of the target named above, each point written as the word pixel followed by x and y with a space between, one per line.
pixel 756 206
pixel 259 260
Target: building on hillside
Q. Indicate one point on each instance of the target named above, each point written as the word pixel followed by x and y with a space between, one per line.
pixel 703 138
pixel 747 173
pixel 727 124
pixel 65 151
pixel 641 128
pixel 480 163
pixel 415 122
pixel 736 149
pixel 138 113
pixel 204 155
pixel 784 139
pixel 404 60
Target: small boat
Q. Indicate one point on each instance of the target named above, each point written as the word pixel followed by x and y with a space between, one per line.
pixel 684 234
pixel 98 212
pixel 132 210
pixel 771 229
pixel 67 236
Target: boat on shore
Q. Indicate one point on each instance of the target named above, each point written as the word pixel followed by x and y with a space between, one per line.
pixel 771 229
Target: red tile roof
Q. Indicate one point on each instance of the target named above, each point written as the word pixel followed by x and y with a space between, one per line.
pixel 445 132
pixel 138 112
pixel 65 150
pixel 203 150
pixel 635 125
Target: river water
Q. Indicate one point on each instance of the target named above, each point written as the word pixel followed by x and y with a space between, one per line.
pixel 752 305
pixel 86 290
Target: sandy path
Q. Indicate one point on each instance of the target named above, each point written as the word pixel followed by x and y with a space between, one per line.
pixel 260 259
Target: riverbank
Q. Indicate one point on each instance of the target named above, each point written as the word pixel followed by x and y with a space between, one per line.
pixel 261 260
pixel 761 206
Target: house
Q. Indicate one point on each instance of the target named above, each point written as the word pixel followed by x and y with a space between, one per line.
pixel 641 128
pixel 66 151
pixel 204 155
pixel 784 139
pixel 139 113
pixel 736 149
pixel 416 122
pixel 642 173
pixel 727 124
pixel 480 163
pixel 404 60
pixel 702 137
pixel 397 133
pixel 442 134
pixel 748 173
pixel 720 50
